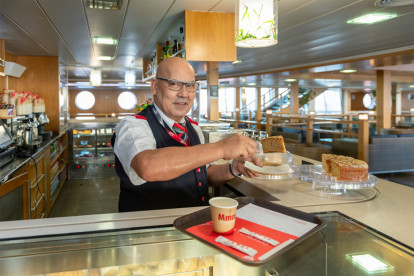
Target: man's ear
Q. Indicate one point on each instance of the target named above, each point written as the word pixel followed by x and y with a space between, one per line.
pixel 154 86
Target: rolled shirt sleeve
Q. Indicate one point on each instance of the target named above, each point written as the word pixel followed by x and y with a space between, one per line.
pixel 133 136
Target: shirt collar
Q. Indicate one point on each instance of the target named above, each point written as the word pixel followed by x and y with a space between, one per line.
pixel 168 121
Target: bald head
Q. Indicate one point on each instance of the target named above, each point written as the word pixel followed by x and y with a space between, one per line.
pixel 168 66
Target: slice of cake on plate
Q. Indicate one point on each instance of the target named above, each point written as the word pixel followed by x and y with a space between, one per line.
pixel 273 144
pixel 345 167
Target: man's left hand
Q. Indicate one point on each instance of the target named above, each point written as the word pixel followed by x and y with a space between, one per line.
pixel 239 168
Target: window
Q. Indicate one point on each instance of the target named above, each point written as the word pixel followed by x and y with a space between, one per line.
pixel 369 101
pixel 85 100
pixel 227 100
pixel 127 100
pixel 203 102
pixel 329 102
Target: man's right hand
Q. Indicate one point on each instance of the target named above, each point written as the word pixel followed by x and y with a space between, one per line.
pixel 237 145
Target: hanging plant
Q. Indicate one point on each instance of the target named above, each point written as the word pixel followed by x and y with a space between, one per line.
pixel 257 16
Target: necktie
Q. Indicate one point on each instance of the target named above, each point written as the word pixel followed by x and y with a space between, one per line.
pixel 181 131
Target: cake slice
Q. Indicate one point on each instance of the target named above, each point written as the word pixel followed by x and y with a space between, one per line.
pixel 345 167
pixel 273 144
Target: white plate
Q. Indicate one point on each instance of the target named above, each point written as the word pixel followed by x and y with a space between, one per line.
pixel 269 170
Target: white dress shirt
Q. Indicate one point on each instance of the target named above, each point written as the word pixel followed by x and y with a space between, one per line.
pixel 135 135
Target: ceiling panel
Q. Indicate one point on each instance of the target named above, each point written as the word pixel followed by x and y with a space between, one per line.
pixel 18 42
pixel 311 33
pixel 68 18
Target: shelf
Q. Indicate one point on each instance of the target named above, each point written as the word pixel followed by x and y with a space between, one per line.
pixel 58 191
pixel 153 75
pixel 56 155
pixel 59 171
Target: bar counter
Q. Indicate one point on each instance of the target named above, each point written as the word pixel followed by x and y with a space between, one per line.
pixel 145 243
pixel 385 208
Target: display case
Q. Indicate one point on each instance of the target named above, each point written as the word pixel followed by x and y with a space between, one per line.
pixel 133 247
pixel 92 155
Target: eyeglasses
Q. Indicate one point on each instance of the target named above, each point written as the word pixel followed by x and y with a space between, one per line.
pixel 176 85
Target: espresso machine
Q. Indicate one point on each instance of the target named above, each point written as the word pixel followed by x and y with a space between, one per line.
pixel 42 120
pixel 27 136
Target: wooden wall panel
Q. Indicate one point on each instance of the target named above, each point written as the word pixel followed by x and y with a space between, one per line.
pixel 106 101
pixel 209 36
pixel 356 101
pixel 2 56
pixel 42 78
pixel 407 101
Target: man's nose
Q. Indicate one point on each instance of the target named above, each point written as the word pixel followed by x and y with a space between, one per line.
pixel 183 91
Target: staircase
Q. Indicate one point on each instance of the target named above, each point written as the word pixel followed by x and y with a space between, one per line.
pixel 279 104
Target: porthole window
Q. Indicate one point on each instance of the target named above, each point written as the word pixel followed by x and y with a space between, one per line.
pixel 369 101
pixel 127 100
pixel 85 100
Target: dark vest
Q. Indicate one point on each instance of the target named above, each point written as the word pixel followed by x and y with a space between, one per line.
pixel 187 190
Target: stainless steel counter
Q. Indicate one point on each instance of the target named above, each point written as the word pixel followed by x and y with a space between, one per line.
pixel 133 247
pixel 140 241
pixel 9 169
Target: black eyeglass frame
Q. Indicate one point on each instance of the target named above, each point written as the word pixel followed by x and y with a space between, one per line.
pixel 182 84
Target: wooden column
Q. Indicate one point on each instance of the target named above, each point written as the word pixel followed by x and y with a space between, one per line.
pixel 363 140
pixel 383 100
pixel 346 101
pixel 258 117
pixel 309 132
pixel 294 98
pixel 398 103
pixel 212 88
pixel 2 56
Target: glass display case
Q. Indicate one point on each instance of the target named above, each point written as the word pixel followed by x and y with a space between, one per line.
pixel 92 155
pixel 343 247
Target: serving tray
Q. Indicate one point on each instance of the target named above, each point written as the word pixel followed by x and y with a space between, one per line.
pixel 285 225
pixel 320 178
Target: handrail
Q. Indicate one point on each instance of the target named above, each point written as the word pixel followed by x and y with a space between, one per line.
pixel 273 91
pixel 363 130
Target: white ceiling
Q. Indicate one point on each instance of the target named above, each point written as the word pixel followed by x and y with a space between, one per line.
pixel 314 39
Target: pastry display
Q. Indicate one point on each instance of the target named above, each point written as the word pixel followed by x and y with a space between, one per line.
pixel 273 144
pixel 345 167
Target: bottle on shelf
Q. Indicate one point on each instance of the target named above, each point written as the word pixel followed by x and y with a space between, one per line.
pixel 164 54
pixel 167 50
pixel 181 43
pixel 175 47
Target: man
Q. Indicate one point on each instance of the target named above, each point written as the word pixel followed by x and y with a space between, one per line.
pixel 162 164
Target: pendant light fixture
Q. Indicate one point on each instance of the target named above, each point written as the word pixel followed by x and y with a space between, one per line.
pixel 256 23
pixel 95 78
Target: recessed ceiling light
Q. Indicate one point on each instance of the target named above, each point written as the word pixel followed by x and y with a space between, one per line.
pixel 105 40
pixel 371 18
pixel 236 61
pixel 252 83
pixel 290 80
pixel 348 71
pixel 411 86
pixel 105 58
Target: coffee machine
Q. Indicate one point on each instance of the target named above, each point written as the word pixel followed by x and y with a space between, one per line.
pixel 27 137
pixel 42 120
